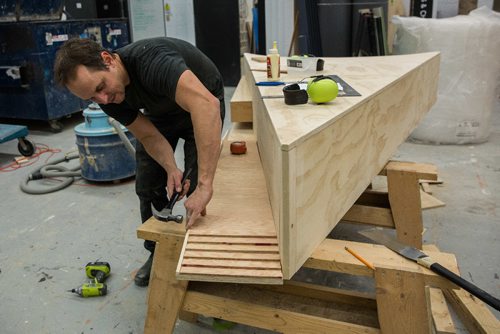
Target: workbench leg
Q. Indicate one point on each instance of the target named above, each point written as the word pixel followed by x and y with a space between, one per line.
pixel 404 198
pixel 401 302
pixel 166 293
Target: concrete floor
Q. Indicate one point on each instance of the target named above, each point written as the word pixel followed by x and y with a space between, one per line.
pixel 46 240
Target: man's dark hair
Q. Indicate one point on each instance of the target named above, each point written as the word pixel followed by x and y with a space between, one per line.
pixel 76 52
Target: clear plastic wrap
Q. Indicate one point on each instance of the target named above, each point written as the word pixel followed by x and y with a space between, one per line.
pixel 469 73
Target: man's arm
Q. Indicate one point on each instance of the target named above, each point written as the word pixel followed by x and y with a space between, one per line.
pixel 204 108
pixel 157 147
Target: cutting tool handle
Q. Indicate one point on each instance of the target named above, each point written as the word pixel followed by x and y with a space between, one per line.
pixel 474 290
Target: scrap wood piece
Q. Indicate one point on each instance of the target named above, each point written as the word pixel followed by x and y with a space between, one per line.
pixel 429 201
pixel 426 188
pixel 438 181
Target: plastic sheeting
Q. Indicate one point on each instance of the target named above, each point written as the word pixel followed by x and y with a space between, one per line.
pixel 469 73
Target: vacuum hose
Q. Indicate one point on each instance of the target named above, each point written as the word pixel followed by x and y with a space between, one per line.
pixel 51 169
pixel 128 145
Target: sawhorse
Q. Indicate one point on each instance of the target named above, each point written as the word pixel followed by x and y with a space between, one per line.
pixel 398 306
pixel 400 207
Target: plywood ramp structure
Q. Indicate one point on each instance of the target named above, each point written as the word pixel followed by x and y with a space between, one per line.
pixel 305 168
pixel 318 159
pixel 236 241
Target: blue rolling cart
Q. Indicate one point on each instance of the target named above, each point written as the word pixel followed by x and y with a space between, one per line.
pixel 10 132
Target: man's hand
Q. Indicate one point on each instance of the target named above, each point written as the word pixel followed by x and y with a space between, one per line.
pixel 196 204
pixel 174 183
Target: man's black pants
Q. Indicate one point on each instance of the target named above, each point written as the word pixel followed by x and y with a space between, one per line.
pixel 151 178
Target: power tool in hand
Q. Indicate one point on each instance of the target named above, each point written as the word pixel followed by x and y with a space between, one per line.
pixel 98 271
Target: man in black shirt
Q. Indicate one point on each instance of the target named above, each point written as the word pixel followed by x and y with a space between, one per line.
pixel 162 89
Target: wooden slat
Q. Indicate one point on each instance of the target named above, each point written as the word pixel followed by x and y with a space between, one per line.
pixel 224 247
pixel 234 240
pixel 218 263
pixel 231 272
pixel 274 256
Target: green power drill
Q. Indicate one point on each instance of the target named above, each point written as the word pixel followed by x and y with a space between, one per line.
pixel 98 271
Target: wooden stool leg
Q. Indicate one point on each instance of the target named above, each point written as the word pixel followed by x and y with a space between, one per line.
pixel 166 293
pixel 401 302
pixel 404 197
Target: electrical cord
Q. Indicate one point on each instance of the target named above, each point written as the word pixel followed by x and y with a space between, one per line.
pixel 28 161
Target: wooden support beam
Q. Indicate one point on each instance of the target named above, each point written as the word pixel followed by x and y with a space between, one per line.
pixel 165 292
pixel 438 309
pixel 474 313
pixel 241 102
pixel 370 215
pixel 404 196
pixel 401 301
pixel 423 171
pixel 330 255
pixel 254 306
pixel 324 293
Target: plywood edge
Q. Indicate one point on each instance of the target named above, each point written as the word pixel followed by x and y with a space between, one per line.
pixel 288 215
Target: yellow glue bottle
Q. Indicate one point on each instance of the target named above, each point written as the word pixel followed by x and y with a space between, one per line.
pixel 273 63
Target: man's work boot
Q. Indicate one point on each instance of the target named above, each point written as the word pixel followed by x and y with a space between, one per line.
pixel 142 276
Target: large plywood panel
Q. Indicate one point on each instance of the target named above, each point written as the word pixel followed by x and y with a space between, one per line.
pixel 331 152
